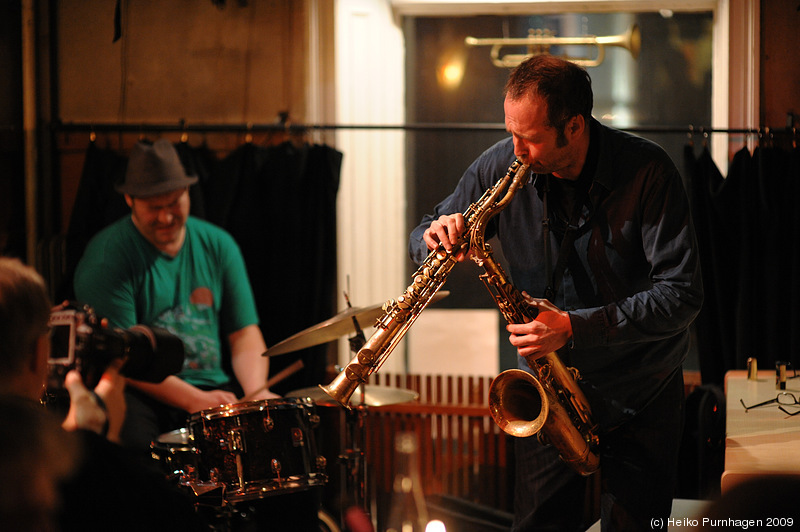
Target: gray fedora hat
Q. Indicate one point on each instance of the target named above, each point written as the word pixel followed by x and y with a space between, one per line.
pixel 154 169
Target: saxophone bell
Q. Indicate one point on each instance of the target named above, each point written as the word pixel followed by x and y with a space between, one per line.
pixel 518 403
pixel 341 389
pixel 521 405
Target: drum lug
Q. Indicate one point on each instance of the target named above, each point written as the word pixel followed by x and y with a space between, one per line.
pixel 276 468
pixel 269 424
pixel 234 442
pixel 314 420
pixel 298 440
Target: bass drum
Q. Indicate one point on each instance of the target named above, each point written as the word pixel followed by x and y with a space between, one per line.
pixel 259 448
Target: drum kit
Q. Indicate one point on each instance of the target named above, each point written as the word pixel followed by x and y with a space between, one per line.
pixel 233 455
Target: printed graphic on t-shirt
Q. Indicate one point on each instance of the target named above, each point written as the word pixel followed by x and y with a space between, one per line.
pixel 202 296
pixel 196 326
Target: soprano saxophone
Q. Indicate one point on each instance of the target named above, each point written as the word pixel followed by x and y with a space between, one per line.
pixel 520 404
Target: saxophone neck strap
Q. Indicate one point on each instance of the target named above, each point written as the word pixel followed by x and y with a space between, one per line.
pixel 556 274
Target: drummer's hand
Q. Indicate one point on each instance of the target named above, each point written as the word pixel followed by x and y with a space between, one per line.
pixel 204 400
pixel 446 230
pixel 261 395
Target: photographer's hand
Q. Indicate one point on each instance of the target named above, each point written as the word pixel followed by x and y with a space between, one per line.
pixel 111 390
pixel 85 412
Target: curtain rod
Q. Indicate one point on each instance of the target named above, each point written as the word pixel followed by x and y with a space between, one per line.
pixel 290 127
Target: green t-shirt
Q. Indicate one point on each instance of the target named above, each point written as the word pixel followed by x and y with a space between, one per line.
pixel 200 295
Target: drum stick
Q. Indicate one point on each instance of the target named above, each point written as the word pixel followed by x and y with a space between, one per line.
pixel 278 377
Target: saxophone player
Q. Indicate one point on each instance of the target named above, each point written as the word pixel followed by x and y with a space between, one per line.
pixel 603 243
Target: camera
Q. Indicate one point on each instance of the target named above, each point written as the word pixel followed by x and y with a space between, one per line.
pixel 78 340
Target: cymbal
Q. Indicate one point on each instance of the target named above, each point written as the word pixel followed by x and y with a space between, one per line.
pixel 373 396
pixel 334 328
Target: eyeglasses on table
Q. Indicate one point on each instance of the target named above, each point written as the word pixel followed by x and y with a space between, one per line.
pixel 782 399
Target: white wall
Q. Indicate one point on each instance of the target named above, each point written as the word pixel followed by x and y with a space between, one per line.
pixel 371 206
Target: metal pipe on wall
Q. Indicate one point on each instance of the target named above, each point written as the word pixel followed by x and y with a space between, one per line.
pixel 29 125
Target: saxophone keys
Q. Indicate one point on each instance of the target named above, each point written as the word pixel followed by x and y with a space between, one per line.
pixel 404 303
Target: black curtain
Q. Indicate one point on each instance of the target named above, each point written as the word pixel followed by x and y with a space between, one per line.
pixel 278 202
pixel 96 205
pixel 748 229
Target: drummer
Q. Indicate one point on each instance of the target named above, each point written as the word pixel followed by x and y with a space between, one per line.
pixel 162 267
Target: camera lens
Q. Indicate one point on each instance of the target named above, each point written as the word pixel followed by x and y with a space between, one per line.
pixel 152 353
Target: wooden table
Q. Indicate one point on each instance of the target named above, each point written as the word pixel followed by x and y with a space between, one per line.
pixel 760 441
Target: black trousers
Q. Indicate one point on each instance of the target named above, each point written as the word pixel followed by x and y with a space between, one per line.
pixel 638 468
pixel 146 419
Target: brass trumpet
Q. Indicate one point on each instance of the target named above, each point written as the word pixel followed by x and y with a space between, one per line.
pixel 540 41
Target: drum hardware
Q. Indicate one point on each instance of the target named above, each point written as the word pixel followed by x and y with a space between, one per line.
pixel 234 442
pixel 207 493
pixel 297 437
pixel 276 468
pixel 176 454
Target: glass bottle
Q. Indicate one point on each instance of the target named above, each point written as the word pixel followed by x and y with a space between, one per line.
pixel 408 512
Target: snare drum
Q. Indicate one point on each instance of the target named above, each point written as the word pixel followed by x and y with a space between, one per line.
pixel 259 448
pixel 175 452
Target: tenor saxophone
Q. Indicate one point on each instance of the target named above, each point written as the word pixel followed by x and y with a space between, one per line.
pixel 520 404
pixel 548 403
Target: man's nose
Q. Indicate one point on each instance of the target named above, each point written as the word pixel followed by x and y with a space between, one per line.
pixel 521 150
pixel 165 215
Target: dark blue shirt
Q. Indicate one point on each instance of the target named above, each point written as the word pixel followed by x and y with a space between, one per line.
pixel 632 285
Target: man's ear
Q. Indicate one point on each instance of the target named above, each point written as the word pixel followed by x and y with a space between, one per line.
pixel 129 200
pixel 575 126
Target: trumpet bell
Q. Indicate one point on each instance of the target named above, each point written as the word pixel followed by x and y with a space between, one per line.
pixel 631 40
pixel 518 403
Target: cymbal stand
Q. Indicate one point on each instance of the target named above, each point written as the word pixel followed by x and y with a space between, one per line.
pixel 354 488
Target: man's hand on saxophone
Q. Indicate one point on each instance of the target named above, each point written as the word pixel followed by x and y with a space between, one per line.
pixel 551 330
pixel 446 229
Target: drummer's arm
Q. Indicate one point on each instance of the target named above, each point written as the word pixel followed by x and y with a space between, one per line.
pixel 178 393
pixel 249 364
